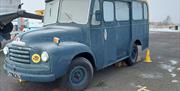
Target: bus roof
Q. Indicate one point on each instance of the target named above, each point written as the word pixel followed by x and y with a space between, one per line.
pixel 137 0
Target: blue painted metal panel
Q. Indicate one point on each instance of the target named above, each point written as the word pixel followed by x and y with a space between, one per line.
pixel 107 43
pixel 123 41
pixel 140 32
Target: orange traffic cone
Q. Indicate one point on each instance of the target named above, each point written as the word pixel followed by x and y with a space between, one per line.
pixel 148 58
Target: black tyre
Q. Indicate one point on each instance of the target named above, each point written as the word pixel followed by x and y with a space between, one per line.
pixel 133 56
pixel 79 75
pixel 0 45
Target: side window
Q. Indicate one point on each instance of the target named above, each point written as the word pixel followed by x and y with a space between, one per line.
pixel 96 7
pixel 137 11
pixel 145 11
pixel 122 11
pixel 108 10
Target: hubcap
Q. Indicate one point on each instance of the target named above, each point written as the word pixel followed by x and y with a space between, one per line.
pixel 78 75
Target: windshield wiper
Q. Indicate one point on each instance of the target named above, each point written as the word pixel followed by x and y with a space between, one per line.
pixel 69 17
pixel 48 1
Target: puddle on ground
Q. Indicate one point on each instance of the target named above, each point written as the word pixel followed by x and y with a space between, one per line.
pixel 173 75
pixel 151 75
pixel 178 69
pixel 174 81
pixel 173 62
pixel 167 67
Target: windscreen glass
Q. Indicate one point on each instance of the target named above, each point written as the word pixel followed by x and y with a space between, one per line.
pixel 51 12
pixel 76 11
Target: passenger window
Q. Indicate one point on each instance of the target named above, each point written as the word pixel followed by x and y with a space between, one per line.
pixel 96 7
pixel 122 11
pixel 137 11
pixel 108 9
pixel 145 11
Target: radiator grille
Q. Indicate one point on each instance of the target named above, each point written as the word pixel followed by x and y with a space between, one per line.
pixel 19 54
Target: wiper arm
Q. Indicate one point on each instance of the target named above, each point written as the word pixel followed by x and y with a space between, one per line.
pixel 69 17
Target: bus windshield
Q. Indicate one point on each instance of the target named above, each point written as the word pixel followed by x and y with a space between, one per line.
pixel 76 11
pixel 51 12
pixel 67 11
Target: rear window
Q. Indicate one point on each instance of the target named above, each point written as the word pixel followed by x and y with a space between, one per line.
pixel 145 11
pixel 137 11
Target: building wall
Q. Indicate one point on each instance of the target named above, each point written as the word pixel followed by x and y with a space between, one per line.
pixel 9 5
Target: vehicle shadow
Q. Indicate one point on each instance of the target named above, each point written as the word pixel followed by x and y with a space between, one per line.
pixel 31 86
pixel 57 85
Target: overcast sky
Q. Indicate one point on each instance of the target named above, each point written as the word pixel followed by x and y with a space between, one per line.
pixel 159 9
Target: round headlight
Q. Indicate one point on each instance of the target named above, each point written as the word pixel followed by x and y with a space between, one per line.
pixel 36 58
pixel 44 56
pixel 6 50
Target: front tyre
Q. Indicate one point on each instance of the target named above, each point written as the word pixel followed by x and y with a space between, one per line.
pixel 79 75
pixel 133 56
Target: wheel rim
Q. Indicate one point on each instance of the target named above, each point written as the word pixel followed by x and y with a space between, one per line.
pixel 134 54
pixel 78 75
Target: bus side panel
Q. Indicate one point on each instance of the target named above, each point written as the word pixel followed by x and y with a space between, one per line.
pixel 146 35
pixel 138 31
pixel 140 25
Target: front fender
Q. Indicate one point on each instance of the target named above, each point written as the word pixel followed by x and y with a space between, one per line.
pixel 63 54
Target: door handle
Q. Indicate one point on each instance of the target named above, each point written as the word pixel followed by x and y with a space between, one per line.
pixel 105 34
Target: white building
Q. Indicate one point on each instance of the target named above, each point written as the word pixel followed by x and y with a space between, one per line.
pixel 9 5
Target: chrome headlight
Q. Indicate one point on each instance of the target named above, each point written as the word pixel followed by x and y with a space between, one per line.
pixel 6 50
pixel 44 56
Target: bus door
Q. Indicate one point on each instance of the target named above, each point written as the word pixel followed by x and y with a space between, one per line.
pixel 109 25
pixel 123 30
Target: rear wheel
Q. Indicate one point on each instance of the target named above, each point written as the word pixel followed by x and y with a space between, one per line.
pixel 133 56
pixel 79 75
pixel 1 39
pixel 0 45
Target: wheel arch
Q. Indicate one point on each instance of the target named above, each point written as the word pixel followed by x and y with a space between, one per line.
pixel 88 56
pixel 138 42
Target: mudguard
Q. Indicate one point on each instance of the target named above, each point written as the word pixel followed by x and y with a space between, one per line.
pixel 63 54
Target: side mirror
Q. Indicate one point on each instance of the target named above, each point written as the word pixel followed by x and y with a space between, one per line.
pixel 98 15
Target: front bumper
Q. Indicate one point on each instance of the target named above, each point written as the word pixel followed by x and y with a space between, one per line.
pixel 28 72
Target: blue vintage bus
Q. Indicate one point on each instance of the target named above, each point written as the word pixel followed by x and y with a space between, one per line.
pixel 78 38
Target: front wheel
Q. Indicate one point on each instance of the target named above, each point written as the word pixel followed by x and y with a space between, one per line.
pixel 133 56
pixel 79 75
